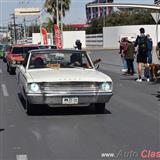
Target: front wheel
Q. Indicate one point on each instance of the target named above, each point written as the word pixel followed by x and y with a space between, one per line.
pixel 10 69
pixel 29 108
pixel 7 68
pixel 99 107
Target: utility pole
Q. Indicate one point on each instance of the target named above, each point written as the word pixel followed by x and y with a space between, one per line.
pixel 14 26
pixel 24 22
pixel 57 12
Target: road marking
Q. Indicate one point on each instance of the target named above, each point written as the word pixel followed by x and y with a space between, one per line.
pixel 0 70
pixel 21 157
pixel 4 89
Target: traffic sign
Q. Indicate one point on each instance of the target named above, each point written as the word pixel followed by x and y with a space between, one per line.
pixel 156 17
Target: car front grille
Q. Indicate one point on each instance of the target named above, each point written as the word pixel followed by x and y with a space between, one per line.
pixel 70 86
pixel 19 62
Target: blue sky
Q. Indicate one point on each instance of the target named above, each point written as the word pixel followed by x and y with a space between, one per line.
pixel 75 15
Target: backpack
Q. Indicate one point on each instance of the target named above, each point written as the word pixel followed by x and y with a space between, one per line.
pixel 142 43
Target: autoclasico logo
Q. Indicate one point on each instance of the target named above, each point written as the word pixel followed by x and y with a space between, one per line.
pixel 150 154
pixel 144 154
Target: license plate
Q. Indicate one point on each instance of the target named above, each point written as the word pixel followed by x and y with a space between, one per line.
pixel 70 100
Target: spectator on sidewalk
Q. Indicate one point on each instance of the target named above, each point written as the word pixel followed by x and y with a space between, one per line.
pixel 141 43
pixel 149 49
pixel 123 49
pixel 147 72
pixel 129 56
pixel 158 50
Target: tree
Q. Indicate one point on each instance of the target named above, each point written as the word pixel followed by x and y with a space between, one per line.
pixel 138 17
pixel 51 6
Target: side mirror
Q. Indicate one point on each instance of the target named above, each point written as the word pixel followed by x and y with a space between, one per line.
pixel 95 62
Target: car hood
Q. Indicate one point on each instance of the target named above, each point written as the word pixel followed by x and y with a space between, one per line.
pixel 17 57
pixel 67 75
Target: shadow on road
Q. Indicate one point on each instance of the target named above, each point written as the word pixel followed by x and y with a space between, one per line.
pixel 45 110
pixel 157 95
pixel 1 129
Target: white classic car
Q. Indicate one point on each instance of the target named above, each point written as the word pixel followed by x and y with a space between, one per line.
pixel 62 78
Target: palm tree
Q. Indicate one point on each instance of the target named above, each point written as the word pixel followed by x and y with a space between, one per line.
pixel 51 6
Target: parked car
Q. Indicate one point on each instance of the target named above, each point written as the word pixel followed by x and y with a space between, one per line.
pixel 62 78
pixel 2 50
pixel 6 50
pixel 15 55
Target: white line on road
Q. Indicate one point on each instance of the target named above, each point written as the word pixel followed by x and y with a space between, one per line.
pixel 21 157
pixel 0 70
pixel 4 89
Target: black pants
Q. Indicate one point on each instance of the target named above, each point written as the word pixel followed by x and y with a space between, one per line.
pixel 130 66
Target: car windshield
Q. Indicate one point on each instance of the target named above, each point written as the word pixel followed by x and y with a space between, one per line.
pixel 22 50
pixel 59 59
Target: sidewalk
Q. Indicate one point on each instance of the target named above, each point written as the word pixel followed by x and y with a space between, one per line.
pixel 154 55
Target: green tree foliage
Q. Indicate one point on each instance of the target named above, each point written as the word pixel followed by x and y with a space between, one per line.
pixel 50 6
pixel 49 25
pixel 120 19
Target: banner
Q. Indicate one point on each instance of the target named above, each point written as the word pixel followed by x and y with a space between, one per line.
pixel 44 35
pixel 58 39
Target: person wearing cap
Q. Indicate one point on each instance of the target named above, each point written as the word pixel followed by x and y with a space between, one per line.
pixel 141 43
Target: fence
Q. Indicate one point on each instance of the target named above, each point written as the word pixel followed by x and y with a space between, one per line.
pixel 94 40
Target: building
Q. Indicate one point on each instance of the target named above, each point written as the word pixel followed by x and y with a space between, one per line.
pixel 157 1
pixel 95 12
pixel 77 26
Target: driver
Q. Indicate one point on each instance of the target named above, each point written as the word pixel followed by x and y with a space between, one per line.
pixel 76 59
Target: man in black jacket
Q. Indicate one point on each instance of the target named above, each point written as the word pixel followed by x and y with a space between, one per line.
pixel 141 43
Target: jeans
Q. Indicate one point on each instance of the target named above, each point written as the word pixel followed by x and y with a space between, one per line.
pixel 130 66
pixel 124 62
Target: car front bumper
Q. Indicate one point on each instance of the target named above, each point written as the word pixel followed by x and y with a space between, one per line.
pixel 57 99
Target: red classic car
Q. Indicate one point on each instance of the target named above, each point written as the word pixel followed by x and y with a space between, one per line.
pixel 15 55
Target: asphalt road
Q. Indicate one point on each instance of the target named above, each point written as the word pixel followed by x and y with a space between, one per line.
pixel 130 124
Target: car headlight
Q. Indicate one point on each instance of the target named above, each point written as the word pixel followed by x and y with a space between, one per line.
pixel 13 62
pixel 34 87
pixel 106 86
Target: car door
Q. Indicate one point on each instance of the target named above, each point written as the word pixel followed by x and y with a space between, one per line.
pixel 21 76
